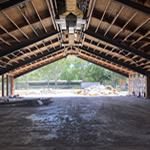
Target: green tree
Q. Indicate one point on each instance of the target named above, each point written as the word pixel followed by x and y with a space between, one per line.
pixel 73 69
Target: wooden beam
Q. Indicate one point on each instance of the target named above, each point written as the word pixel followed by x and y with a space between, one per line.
pixel 129 85
pixel 108 50
pixel 10 4
pixel 120 23
pixel 104 62
pixel 147 86
pixel 114 60
pixel 12 86
pixel 91 12
pixel 26 44
pixel 37 67
pixel 116 71
pixel 31 26
pixel 3 85
pixel 91 30
pixel 10 34
pixel 37 63
pixel 10 68
pixel 44 17
pixel 103 14
pixel 7 85
pixel 8 17
pixel 113 21
pixel 51 14
pixel 38 16
pixel 124 26
pixel 136 6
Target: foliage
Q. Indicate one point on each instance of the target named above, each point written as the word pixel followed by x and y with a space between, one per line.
pixel 74 69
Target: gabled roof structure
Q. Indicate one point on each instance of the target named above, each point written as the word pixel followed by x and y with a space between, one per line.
pixel 114 34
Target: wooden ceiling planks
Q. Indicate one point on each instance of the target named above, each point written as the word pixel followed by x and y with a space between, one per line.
pixel 37 64
pixel 33 20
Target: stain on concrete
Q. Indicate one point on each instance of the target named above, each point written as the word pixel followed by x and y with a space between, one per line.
pixel 78 123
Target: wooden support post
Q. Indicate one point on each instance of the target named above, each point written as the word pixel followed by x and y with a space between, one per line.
pixel 148 86
pixel 3 93
pixel 7 85
pixel 129 85
pixel 12 86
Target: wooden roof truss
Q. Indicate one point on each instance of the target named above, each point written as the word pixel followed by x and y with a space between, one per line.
pixel 116 35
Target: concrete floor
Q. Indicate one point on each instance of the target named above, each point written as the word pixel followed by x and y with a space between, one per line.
pixel 78 123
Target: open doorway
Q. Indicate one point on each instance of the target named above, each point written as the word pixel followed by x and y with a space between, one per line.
pixel 71 76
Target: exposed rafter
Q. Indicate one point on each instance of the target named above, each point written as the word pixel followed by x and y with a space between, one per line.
pixel 119 22
pixel 26 44
pixel 117 71
pixel 10 68
pixel 81 54
pixel 11 3
pixel 91 33
pixel 117 37
pixel 116 61
pixel 37 67
pixel 136 6
pixel 105 62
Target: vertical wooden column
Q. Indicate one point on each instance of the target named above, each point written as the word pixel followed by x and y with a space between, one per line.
pixel 148 86
pixel 129 84
pixel 12 86
pixel 3 93
pixel 7 85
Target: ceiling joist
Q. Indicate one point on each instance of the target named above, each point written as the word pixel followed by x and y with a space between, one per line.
pixel 113 36
pixel 136 6
pixel 117 71
pixel 37 67
pixel 26 44
pixel 11 3
pixel 8 69
pixel 91 33
pixel 114 60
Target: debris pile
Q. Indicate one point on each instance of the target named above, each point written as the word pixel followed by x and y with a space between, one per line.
pixel 98 90
pixel 22 101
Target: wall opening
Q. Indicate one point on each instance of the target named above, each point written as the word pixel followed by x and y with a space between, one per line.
pixel 71 75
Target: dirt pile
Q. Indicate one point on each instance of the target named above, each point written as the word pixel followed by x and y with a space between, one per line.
pixel 98 90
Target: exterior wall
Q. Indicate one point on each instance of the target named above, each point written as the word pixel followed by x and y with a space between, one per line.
pixel 137 85
pixel 87 84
